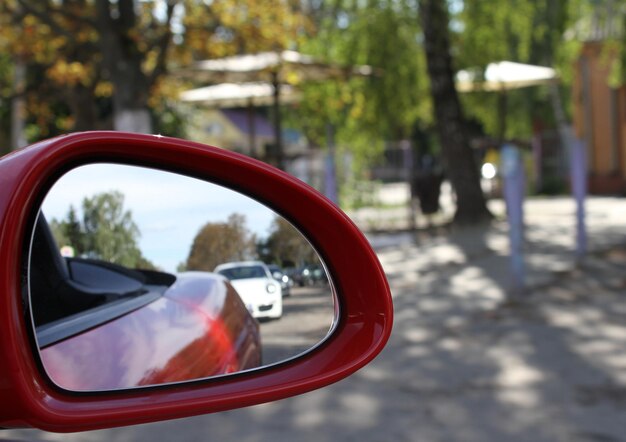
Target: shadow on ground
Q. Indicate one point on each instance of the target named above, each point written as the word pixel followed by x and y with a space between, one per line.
pixel 464 362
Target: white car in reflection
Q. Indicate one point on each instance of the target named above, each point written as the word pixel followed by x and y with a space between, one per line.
pixel 259 291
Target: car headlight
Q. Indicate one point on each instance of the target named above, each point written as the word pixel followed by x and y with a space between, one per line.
pixel 285 279
pixel 270 288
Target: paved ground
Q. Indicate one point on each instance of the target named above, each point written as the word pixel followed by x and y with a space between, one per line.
pixel 307 318
pixel 463 363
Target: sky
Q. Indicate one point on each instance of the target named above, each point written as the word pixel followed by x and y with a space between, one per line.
pixel 168 208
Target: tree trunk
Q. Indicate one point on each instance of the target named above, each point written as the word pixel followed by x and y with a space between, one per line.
pixel 18 106
pixel 122 59
pixel 459 159
pixel 132 120
pixel 130 99
pixel 82 103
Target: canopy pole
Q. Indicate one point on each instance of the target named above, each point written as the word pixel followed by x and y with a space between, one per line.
pixel 502 115
pixel 252 129
pixel 277 129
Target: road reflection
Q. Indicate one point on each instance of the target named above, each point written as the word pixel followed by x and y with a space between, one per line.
pixel 307 317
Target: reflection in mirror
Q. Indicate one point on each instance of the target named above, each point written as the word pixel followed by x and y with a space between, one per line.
pixel 141 277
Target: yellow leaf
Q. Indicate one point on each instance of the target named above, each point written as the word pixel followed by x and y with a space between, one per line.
pixel 104 89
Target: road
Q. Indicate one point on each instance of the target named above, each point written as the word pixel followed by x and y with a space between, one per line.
pixel 307 318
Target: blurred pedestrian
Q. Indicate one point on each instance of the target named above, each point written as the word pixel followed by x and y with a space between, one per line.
pixel 426 186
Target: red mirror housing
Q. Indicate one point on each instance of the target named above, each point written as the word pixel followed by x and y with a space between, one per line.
pixel 29 398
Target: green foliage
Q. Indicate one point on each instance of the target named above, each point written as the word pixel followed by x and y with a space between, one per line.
pixel 70 84
pixel 386 34
pixel 286 246
pixel 524 31
pixel 217 243
pixel 608 18
pixel 71 232
pixel 168 120
pixel 106 231
pixel 367 111
pixel 357 194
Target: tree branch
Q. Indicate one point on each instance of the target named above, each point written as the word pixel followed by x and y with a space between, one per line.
pixel 103 11
pixel 163 43
pixel 45 16
pixel 64 12
pixel 104 25
pixel 127 18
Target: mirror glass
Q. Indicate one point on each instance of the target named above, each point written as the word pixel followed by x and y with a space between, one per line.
pixel 140 277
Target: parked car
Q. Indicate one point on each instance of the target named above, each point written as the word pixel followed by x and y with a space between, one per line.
pixel 279 275
pixel 310 274
pixel 87 314
pixel 258 289
pixel 295 275
pixel 313 275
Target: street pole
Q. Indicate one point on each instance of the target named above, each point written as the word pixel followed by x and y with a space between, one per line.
pixel 578 176
pixel 252 129
pixel 278 138
pixel 514 190
pixel 408 162
pixel 330 174
pixel 18 106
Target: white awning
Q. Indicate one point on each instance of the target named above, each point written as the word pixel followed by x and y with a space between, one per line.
pixel 504 75
pixel 227 95
pixel 262 66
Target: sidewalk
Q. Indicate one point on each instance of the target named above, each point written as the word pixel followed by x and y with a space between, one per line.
pixel 463 364
pixel 551 367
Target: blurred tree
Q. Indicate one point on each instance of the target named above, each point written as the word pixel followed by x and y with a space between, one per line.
pixel 217 243
pixel 92 47
pixel 45 41
pixel 58 229
pixel 388 34
pixel 5 103
pixel 603 22
pixel 110 232
pixel 70 232
pixel 122 48
pixel 524 31
pixel 106 231
pixel 286 246
pixel 451 124
pixel 366 111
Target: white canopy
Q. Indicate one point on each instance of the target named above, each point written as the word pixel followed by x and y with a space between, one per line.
pixel 273 67
pixel 504 75
pixel 261 66
pixel 227 95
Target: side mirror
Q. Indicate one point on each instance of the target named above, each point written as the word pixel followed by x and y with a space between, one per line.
pixel 33 390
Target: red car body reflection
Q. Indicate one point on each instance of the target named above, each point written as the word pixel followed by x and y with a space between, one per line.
pixel 198 328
